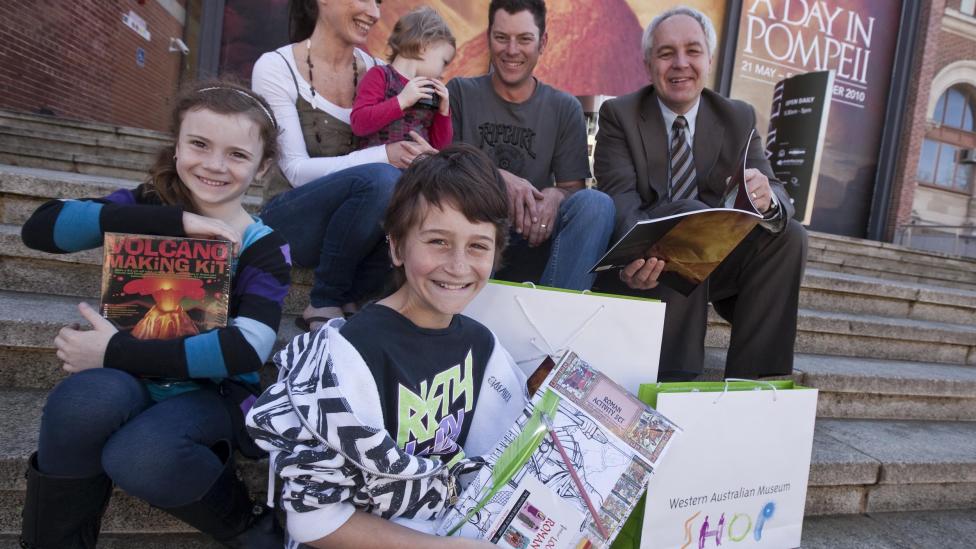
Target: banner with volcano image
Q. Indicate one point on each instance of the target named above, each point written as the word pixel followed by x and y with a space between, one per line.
pixel 159 287
pixel 594 46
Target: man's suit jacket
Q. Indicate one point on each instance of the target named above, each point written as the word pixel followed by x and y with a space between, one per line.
pixel 631 156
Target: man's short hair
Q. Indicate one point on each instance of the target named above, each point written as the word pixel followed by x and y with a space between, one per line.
pixel 711 38
pixel 536 7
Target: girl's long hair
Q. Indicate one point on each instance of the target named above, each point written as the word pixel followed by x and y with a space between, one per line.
pixel 219 96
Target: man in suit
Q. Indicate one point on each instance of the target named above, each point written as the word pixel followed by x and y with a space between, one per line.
pixel 669 148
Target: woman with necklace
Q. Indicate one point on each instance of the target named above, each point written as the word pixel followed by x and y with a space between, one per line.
pixel 329 199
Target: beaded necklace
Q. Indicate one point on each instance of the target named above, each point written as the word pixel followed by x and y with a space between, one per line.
pixel 311 79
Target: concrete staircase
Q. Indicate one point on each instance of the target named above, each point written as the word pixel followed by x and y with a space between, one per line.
pixel 888 335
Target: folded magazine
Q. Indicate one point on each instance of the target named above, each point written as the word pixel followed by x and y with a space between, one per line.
pixel 571 469
pixel 693 244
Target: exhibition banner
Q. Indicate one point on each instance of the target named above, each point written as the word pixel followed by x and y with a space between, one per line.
pixel 856 39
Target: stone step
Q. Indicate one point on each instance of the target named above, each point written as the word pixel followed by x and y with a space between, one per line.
pixel 868 466
pixel 887 250
pixel 949 529
pixel 136 541
pixel 841 292
pixel 855 335
pixel 28 157
pixel 23 189
pixel 43 142
pixel 14 121
pixel 865 388
pixel 883 260
pixel 858 466
pixel 891 270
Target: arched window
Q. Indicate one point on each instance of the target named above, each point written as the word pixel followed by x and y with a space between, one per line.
pixel 949 147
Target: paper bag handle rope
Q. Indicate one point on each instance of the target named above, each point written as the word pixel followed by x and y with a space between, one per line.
pixel 728 379
pixel 550 350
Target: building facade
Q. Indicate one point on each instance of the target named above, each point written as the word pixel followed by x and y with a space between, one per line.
pixel 114 61
pixel 936 198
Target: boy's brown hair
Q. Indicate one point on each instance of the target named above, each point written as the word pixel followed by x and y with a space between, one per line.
pixel 460 176
pixel 417 30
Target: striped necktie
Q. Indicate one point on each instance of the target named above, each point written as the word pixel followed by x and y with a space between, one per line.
pixel 683 180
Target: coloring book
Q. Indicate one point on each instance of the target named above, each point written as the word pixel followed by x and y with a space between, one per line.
pixel 580 430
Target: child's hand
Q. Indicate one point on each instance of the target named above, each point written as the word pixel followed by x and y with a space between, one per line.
pixel 417 88
pixel 441 90
pixel 84 349
pixel 402 153
pixel 198 226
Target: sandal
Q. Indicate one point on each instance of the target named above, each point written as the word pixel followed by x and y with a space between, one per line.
pixel 305 324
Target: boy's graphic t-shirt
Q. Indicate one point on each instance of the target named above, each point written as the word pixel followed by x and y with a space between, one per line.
pixel 428 379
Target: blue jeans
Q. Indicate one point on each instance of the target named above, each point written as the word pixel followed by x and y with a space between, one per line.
pixel 581 235
pixel 103 421
pixel 333 224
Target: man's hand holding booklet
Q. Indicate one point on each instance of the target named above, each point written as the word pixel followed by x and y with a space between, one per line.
pixel 692 244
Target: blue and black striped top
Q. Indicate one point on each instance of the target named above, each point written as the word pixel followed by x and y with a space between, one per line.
pixel 258 288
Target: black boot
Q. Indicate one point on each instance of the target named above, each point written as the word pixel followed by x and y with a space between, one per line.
pixel 61 512
pixel 227 513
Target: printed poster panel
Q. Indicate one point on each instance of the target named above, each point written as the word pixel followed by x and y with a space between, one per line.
pixel 593 48
pixel 855 38
pixel 794 144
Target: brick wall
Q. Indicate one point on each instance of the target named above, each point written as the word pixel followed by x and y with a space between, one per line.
pixel 78 60
pixel 953 47
pixel 937 49
pixel 925 65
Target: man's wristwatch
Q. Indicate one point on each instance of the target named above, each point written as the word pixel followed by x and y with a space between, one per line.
pixel 773 210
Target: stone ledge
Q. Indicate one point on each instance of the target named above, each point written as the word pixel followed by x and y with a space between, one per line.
pixel 945 529
pixel 885 377
pixel 139 541
pixel 878 249
pixel 110 143
pixel 19 119
pixel 911 452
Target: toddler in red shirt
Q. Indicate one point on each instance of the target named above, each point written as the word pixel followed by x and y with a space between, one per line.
pixel 408 95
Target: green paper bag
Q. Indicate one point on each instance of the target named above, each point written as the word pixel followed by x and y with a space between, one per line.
pixel 735 505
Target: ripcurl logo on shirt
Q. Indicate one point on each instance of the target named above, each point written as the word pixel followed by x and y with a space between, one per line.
pixel 493 135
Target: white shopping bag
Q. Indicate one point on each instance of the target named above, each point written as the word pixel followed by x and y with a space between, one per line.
pixel 737 477
pixel 621 336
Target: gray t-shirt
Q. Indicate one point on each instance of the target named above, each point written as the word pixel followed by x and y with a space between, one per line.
pixel 542 139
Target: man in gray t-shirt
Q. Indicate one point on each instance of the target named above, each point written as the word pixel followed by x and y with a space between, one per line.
pixel 537 137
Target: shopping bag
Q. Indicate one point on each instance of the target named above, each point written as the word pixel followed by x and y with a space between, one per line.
pixel 619 335
pixel 737 477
